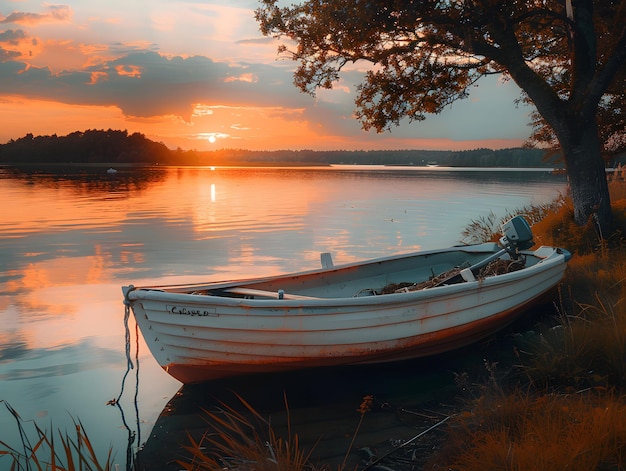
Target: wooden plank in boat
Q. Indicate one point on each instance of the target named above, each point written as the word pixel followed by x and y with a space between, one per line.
pixel 267 294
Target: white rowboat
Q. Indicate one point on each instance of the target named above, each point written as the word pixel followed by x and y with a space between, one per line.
pixel 337 315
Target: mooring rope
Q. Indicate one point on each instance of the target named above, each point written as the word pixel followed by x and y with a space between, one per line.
pixel 129 361
pixel 132 435
pixel 136 401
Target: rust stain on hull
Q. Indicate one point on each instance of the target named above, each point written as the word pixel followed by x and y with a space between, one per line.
pixel 422 346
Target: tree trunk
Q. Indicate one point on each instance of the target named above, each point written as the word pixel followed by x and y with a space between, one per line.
pixel 587 178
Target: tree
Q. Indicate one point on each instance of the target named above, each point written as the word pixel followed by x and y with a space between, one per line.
pixel 611 112
pixel 567 57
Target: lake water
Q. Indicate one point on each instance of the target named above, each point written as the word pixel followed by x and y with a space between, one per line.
pixel 69 240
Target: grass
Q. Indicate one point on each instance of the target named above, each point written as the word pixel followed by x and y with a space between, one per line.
pixel 243 441
pixel 72 452
pixel 584 350
pixel 523 431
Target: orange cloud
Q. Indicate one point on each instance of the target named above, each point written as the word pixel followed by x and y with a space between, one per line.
pixel 17 45
pixel 202 110
pixel 248 78
pixel 128 70
pixel 55 14
pixel 56 55
pixel 97 77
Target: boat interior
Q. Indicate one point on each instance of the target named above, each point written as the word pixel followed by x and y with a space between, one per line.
pixel 377 277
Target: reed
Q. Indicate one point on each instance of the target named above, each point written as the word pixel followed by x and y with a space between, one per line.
pixel 72 452
pixel 553 224
pixel 486 228
pixel 245 441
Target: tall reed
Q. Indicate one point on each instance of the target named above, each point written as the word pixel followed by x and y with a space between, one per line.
pixel 71 453
pixel 245 441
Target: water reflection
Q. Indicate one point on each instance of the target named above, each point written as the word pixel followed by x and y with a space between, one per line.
pixel 232 215
pixel 85 180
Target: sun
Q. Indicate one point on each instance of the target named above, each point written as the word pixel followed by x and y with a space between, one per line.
pixel 212 139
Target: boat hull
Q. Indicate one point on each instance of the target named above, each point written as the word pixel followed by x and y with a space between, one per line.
pixel 205 336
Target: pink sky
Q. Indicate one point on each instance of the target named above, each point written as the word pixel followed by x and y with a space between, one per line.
pixel 199 75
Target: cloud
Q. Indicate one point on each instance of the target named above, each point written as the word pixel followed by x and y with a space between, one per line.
pixel 11 36
pixel 12 39
pixel 148 84
pixel 15 44
pixel 200 66
pixel 6 55
pixel 253 41
pixel 54 14
pixel 247 77
pixel 121 49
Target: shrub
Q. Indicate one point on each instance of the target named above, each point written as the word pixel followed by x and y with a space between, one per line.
pixel 487 228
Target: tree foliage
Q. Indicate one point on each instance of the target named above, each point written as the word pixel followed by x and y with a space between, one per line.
pixel 611 118
pixel 88 147
pixel 567 56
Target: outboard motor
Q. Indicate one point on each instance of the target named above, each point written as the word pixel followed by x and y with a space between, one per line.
pixel 517 236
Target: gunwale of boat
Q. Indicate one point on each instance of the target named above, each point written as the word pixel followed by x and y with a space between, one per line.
pixel 314 287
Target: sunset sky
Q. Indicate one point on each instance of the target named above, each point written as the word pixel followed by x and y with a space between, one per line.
pixel 199 75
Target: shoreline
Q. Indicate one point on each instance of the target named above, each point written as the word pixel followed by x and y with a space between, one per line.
pixel 251 164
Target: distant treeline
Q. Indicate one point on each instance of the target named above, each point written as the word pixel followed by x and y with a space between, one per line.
pixel 89 147
pixel 113 147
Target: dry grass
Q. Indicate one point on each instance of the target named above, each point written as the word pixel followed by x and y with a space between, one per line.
pixel 558 226
pixel 587 346
pixel 521 431
pixel 245 441
pixel 585 350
